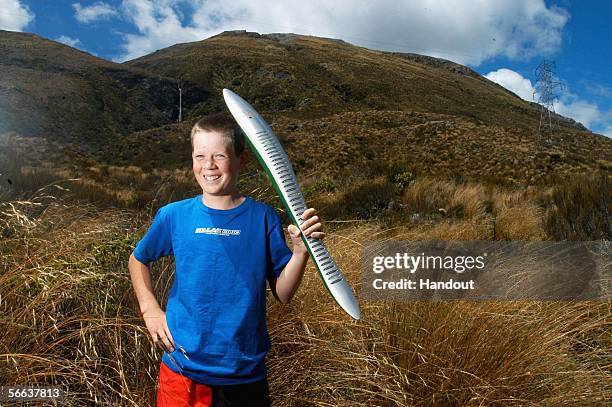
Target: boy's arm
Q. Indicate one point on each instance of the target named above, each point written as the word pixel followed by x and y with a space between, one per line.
pixel 154 316
pixel 286 285
pixel 140 275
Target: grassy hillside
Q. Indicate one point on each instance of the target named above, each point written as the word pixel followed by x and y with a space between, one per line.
pixel 340 109
pixel 70 318
pixel 353 112
pixel 52 90
pixel 359 145
pixel 314 77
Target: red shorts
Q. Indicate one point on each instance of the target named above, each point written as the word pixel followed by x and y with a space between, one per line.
pixel 176 390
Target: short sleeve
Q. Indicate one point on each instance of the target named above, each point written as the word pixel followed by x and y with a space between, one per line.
pixel 278 251
pixel 157 242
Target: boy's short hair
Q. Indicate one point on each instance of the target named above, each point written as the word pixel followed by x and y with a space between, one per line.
pixel 222 124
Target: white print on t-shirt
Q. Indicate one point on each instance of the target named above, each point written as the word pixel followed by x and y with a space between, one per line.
pixel 218 231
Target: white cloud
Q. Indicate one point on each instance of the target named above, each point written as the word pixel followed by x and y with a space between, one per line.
pixel 159 26
pixel 585 112
pixel 97 11
pixel 73 42
pixel 14 16
pixel 465 32
pixel 568 104
pixel 512 81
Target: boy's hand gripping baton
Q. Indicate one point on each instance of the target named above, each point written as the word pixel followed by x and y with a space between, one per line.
pixel 274 160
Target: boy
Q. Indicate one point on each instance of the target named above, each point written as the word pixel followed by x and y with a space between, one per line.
pixel 225 247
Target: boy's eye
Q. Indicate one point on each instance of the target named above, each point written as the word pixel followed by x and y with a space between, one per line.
pixel 220 155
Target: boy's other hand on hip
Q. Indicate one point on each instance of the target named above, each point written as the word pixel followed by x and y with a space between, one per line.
pixel 155 320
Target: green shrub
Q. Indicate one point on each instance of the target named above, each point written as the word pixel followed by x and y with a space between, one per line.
pixel 325 184
pixel 402 180
pixel 364 200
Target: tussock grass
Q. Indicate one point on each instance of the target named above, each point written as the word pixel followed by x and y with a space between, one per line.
pixel 362 199
pixel 67 313
pixel 465 211
pixel 70 318
pixel 105 186
pixel 517 217
pixel 428 196
pixel 579 208
pixel 434 353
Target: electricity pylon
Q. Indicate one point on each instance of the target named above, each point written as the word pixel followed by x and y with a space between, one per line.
pixel 546 88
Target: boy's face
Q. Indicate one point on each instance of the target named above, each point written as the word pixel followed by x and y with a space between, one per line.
pixel 215 165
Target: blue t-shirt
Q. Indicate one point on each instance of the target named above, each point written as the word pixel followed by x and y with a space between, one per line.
pixel 216 309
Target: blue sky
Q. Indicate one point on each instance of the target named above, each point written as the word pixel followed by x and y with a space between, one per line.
pixel 504 40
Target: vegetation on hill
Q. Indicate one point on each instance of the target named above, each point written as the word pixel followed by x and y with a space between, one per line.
pixel 314 77
pixel 51 90
pixel 70 318
pixel 341 106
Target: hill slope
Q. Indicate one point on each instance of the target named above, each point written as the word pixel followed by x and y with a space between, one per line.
pixel 347 111
pixel 340 110
pixel 50 89
pixel 313 77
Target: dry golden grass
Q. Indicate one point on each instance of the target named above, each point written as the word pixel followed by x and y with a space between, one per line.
pixel 434 353
pixel 428 196
pixel 472 199
pixel 69 315
pixel 580 208
pixel 66 309
pixel 473 211
pixel 516 217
